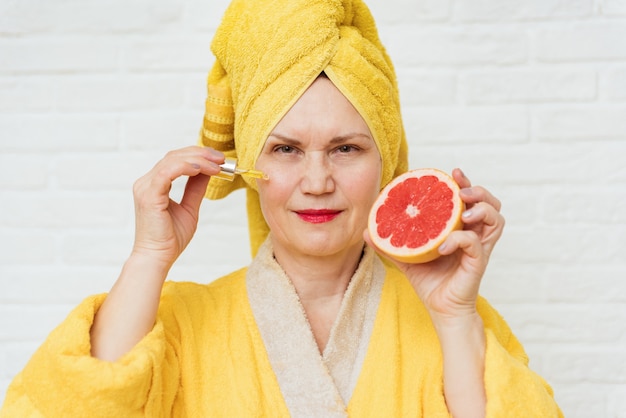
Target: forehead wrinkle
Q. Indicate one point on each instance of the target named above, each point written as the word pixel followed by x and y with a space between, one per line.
pixel 339 139
pixel 288 140
pixel 347 137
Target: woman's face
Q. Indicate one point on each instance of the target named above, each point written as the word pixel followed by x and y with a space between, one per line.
pixel 325 172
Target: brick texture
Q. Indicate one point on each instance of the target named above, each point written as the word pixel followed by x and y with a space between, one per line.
pixel 528 97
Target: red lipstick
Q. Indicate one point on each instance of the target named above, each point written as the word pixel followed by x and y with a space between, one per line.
pixel 318 216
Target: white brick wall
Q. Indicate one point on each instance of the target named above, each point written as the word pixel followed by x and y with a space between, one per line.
pixel 528 96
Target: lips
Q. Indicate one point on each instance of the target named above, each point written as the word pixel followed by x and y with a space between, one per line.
pixel 318 216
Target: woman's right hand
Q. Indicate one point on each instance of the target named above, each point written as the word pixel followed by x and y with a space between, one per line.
pixel 163 227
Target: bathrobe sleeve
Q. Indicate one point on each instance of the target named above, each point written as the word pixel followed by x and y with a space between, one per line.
pixel 511 387
pixel 62 379
pixel 402 374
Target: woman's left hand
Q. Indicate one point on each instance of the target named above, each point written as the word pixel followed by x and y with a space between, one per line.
pixel 448 286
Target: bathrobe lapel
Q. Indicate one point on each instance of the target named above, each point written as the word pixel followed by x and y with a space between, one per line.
pixel 314 384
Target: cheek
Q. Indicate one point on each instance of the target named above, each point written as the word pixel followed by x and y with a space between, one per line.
pixel 267 202
pixel 280 174
pixel 283 178
pixel 363 192
pixel 369 184
pixel 274 192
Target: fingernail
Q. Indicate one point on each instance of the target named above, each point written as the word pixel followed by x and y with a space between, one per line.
pixel 442 247
pixel 467 191
pixel 467 213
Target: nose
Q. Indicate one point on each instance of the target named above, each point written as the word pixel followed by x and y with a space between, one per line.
pixel 318 175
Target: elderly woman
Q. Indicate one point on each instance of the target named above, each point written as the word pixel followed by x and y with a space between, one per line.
pixel 318 325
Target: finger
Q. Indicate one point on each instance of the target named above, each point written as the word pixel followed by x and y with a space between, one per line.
pixel 206 159
pixel 208 153
pixel 368 240
pixel 173 166
pixel 466 240
pixel 475 194
pixel 195 190
pixel 487 223
pixel 485 215
pixel 461 179
pixel 366 237
pixel 370 243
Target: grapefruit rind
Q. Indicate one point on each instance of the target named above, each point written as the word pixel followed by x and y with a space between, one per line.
pixel 430 250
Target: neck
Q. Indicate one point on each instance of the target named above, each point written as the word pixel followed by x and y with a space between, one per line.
pixel 320 277
pixel 320 283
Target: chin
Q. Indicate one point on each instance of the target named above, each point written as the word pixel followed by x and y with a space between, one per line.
pixel 325 246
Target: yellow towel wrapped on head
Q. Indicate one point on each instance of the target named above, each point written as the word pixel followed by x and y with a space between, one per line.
pixel 267 53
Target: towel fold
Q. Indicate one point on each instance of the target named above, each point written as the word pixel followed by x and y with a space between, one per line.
pixel 268 52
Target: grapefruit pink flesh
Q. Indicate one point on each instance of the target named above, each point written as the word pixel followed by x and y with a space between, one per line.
pixel 414 214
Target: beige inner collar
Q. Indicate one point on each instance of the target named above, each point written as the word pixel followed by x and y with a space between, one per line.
pixel 314 385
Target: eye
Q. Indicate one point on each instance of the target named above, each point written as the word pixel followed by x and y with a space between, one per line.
pixel 345 149
pixel 284 149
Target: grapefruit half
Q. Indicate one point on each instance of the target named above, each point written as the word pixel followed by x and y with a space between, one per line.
pixel 414 214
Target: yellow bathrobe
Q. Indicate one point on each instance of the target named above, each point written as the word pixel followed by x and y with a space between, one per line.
pixel 241 347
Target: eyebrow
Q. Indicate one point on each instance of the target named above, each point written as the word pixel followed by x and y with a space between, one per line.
pixel 335 140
